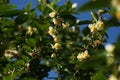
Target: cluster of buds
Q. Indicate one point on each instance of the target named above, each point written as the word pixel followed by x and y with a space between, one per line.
pixel 83 55
pixel 30 30
pixel 52 32
pixel 11 53
pixel 96 26
pixel 58 21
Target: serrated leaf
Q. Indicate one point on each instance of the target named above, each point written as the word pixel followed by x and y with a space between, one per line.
pixel 90 5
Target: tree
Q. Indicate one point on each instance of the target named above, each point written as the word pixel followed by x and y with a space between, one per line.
pixel 31 45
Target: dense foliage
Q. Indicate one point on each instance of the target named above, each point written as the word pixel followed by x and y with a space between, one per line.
pixel 31 45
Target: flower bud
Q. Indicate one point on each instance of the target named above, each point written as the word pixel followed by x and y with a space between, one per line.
pixel 56 39
pixel 53 55
pixel 56 46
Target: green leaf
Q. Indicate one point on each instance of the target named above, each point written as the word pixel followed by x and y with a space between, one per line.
pixel 5 7
pixel 94 61
pixel 90 5
pixel 30 78
pixel 94 16
pixel 29 6
pixel 86 31
pixel 84 22
pixel 31 42
pixel 27 48
pixel 112 22
pixel 19 63
pixel 99 76
pixel 53 3
pixel 21 19
pixel 12 13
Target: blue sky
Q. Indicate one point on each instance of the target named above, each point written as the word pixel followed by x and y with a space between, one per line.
pixel 112 32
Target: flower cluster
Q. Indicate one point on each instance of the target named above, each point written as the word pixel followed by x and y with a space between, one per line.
pixel 53 31
pixel 83 55
pixel 96 26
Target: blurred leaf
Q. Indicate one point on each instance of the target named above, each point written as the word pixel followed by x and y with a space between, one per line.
pixel 32 42
pixel 94 61
pixel 27 48
pixel 90 5
pixel 53 3
pixel 84 22
pixel 11 13
pixel 94 16
pixel 112 22
pixel 99 76
pixel 29 6
pixel 19 63
pixel 10 76
pixel 30 78
pixel 86 31
pixel 5 7
pixel 20 19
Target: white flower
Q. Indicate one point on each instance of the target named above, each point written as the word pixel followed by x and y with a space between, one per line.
pixel 99 25
pixel 26 13
pixel 73 29
pixel 30 30
pixel 57 21
pixel 8 53
pixel 65 25
pixel 39 0
pixel 74 5
pixel 110 48
pixel 112 77
pixel 77 21
pixel 52 14
pixel 56 39
pixel 83 55
pixel 92 27
pixel 52 32
pixel 115 3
